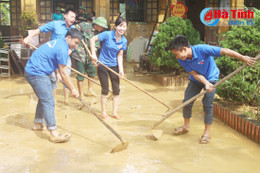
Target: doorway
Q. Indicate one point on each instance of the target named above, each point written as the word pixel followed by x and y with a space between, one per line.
pixel 194 9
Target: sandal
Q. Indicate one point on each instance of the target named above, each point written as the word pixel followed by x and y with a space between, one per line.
pixel 60 138
pixel 204 139
pixel 180 130
pixel 41 128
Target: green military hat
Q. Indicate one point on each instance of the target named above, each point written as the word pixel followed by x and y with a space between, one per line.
pixel 57 8
pixel 82 7
pixel 62 9
pixel 101 21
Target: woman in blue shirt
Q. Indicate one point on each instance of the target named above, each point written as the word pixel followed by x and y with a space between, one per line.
pixel 113 45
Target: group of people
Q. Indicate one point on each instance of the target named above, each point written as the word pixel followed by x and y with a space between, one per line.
pixel 81 16
pixel 66 41
pixel 54 56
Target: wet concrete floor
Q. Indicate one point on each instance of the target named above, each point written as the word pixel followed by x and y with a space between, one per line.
pixel 27 151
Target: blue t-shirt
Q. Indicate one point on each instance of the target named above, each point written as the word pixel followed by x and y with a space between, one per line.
pixel 110 48
pixel 58 29
pixel 56 16
pixel 203 62
pixel 47 58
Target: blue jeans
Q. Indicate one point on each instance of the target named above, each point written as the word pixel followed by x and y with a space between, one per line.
pixel 46 104
pixel 53 81
pixel 193 89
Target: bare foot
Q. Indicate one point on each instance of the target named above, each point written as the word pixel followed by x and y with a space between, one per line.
pixel 66 103
pixel 104 116
pixel 91 93
pixel 116 116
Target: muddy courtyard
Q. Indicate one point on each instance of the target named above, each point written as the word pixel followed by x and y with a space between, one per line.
pixel 25 151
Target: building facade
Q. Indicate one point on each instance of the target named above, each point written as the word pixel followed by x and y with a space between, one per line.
pixel 140 14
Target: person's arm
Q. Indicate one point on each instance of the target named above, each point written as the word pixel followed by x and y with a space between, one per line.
pixel 57 74
pixel 120 63
pixel 66 79
pixel 35 32
pixel 70 51
pixel 92 42
pixel 248 60
pixel 202 79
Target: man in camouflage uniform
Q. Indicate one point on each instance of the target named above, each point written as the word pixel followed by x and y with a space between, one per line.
pixel 83 60
pixel 82 15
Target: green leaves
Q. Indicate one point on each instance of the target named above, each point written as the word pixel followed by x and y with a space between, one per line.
pixel 243 87
pixel 167 31
pixel 28 22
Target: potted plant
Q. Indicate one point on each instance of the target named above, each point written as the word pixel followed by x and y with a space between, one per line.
pixel 28 21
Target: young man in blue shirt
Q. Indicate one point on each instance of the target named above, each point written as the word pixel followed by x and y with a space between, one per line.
pixel 57 15
pixel 58 30
pixel 51 56
pixel 199 62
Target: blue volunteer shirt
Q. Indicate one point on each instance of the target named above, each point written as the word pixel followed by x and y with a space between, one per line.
pixel 203 62
pixel 57 16
pixel 110 48
pixel 47 58
pixel 58 29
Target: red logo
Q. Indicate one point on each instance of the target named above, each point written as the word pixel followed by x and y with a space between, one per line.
pixel 201 62
pixel 179 9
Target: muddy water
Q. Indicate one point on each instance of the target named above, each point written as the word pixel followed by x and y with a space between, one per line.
pixel 24 150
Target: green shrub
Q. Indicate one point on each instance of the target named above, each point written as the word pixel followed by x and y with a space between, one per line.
pixel 243 87
pixel 167 31
pixel 2 43
pixel 28 22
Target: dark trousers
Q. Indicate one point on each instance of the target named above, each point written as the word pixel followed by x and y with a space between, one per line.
pixel 193 89
pixel 103 74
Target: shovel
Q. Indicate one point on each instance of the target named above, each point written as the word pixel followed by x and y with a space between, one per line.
pixel 110 97
pixel 95 82
pixel 84 44
pixel 117 148
pixel 156 133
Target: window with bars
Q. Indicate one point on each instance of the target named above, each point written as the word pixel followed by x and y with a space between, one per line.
pixel 5 18
pixel 65 4
pixel 88 4
pixel 152 10
pixel 15 12
pixel 45 11
pixel 134 10
pixel 114 9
